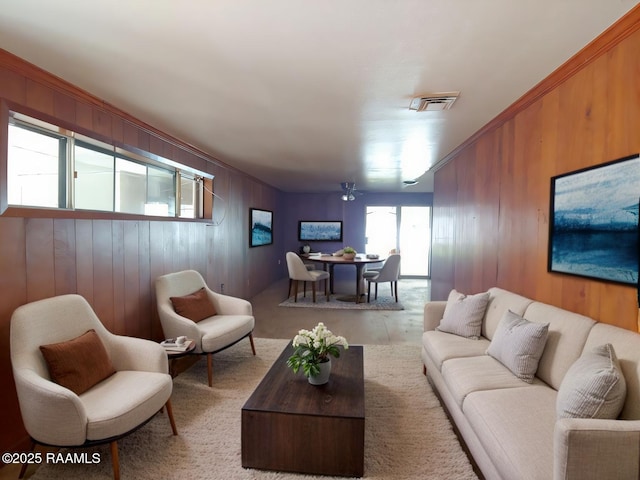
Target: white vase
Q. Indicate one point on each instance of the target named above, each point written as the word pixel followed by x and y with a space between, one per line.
pixel 323 376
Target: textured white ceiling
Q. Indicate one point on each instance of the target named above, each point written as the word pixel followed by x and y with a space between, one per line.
pixel 307 94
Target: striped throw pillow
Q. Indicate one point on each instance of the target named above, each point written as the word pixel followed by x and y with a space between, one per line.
pixel 593 387
pixel 518 344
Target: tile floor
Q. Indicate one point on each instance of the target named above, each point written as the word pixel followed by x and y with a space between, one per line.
pixel 357 326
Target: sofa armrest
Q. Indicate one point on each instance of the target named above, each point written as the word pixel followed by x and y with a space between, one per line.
pixel 433 312
pixel 596 449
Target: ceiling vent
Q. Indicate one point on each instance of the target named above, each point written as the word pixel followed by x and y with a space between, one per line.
pixel 434 102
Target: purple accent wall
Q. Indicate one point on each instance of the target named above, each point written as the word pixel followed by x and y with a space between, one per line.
pixel 294 207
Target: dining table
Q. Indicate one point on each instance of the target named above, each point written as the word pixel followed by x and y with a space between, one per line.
pixel 329 262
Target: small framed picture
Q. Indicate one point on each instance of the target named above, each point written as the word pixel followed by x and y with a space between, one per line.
pixel 260 227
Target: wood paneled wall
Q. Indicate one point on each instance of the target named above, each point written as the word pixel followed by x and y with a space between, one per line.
pixel 113 260
pixel 491 199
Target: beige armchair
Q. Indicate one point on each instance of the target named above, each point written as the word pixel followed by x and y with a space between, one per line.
pixel 137 385
pixel 230 321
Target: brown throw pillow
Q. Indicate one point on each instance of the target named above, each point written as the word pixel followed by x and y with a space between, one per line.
pixel 196 306
pixel 78 364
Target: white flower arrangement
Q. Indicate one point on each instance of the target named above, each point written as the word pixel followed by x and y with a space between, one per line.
pixel 312 347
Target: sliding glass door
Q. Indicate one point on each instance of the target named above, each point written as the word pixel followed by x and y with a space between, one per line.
pixel 407 229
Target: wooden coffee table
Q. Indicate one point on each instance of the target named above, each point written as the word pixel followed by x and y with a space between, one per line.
pixel 291 425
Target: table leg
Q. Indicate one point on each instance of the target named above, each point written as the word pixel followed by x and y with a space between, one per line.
pixel 330 277
pixel 359 269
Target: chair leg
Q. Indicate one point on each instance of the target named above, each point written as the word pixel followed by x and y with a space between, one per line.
pixel 114 460
pixel 396 289
pixel 23 469
pixel 170 415
pixel 313 287
pixel 304 289
pixel 253 346
pixel 290 285
pixel 295 290
pixel 326 288
pixel 368 292
pixel 376 290
pixel 210 368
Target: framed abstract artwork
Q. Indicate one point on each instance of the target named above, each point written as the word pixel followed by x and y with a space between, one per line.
pixel 260 227
pixel 593 220
pixel 316 231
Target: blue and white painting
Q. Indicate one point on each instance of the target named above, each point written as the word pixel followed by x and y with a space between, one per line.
pixel 261 227
pixel 594 229
pixel 320 231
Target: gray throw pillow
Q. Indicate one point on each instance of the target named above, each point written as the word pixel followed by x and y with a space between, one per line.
pixel 593 387
pixel 518 344
pixel 463 314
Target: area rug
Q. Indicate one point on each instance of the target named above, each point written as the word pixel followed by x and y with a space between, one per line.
pixel 335 302
pixel 407 435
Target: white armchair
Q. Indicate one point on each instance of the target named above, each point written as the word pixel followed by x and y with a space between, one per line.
pixel 232 322
pixel 111 409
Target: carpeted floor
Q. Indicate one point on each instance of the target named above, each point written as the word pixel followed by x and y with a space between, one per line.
pixel 407 435
pixel 344 302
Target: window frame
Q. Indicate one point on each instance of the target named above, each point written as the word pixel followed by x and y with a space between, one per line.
pixel 63 159
pixel 44 124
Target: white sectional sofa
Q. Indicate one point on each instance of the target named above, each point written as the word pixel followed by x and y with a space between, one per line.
pixel 511 427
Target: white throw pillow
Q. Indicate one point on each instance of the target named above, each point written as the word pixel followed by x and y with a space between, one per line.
pixel 593 387
pixel 463 314
pixel 518 344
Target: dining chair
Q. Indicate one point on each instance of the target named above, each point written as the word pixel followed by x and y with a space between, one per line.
pixel 188 307
pixel 298 272
pixel 308 266
pixel 389 272
pixel 377 268
pixel 79 384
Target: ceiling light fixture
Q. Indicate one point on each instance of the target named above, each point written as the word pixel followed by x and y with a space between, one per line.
pixel 348 191
pixel 408 183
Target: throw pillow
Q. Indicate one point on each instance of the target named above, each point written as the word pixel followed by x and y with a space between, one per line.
pixel 593 387
pixel 196 306
pixel 463 314
pixel 78 364
pixel 518 344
